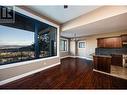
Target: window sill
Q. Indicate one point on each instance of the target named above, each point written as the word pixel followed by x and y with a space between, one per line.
pixel 25 62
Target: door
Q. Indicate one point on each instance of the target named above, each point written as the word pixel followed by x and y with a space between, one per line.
pixel 72 48
pixel 81 48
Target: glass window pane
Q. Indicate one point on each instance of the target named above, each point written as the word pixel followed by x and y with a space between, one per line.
pixel 81 44
pixel 63 45
pixel 48 42
pixel 15 45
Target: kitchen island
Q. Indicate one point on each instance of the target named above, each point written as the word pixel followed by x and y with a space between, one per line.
pixel 102 63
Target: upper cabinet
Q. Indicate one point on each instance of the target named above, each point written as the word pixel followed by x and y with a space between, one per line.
pixel 100 42
pixel 124 38
pixel 112 42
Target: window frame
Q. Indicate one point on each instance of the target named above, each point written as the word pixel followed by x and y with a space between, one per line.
pixel 64 39
pixel 34 16
pixel 79 42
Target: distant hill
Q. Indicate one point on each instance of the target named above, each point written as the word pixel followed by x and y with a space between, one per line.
pixel 11 46
pixel 15 48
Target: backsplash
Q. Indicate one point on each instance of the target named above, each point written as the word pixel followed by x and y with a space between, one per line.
pixel 109 51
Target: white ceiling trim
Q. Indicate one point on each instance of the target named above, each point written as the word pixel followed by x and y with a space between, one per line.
pixel 112 24
pixel 96 15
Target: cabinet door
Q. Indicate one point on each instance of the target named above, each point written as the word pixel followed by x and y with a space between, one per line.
pixel 116 60
pixel 117 42
pixel 114 42
pixel 109 43
pixel 95 61
pixel 102 63
pixel 100 43
pixel 124 38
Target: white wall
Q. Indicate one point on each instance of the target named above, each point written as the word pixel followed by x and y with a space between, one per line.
pixel 13 71
pixel 91 43
pixel 81 51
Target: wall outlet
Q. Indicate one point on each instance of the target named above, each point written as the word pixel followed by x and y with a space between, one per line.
pixel 44 63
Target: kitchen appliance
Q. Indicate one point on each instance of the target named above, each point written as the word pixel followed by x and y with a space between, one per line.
pixel 124 60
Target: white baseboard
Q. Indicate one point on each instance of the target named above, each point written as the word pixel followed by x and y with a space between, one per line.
pixel 26 74
pixel 64 57
pixel 68 56
pixel 84 57
pixel 77 57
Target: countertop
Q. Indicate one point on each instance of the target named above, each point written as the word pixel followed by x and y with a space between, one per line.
pixel 103 56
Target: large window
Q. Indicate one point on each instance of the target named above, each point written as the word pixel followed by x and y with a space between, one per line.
pixel 15 45
pixel 19 45
pixel 64 45
pixel 26 39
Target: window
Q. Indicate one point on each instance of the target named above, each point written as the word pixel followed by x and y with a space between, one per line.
pixel 81 44
pixel 26 39
pixel 19 45
pixel 47 42
pixel 64 45
pixel 15 45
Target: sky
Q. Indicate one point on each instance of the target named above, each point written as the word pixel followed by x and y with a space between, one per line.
pixel 14 36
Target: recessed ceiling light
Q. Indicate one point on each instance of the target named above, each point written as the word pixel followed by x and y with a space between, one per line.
pixel 65 6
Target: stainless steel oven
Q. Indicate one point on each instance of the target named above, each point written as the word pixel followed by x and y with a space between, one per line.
pixel 125 60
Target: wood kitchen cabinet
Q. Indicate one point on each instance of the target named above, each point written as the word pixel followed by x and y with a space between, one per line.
pixel 101 43
pixel 112 42
pixel 117 60
pixel 102 63
pixel 124 38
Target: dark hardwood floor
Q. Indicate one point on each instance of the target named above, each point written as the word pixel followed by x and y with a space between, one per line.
pixel 70 74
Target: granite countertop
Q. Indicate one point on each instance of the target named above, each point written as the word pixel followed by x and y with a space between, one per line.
pixel 103 56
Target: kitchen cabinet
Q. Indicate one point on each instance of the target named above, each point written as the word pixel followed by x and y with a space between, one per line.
pixel 112 42
pixel 124 38
pixel 116 60
pixel 101 43
pixel 102 63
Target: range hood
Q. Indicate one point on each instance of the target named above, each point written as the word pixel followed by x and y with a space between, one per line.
pixel 124 43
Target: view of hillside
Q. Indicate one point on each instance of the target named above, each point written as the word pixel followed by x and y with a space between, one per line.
pixel 15 53
pixel 15 45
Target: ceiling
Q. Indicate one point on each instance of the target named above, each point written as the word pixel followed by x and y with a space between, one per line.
pixel 26 23
pixel 61 15
pixel 112 24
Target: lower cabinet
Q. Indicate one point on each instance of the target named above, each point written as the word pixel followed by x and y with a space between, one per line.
pixel 116 60
pixel 102 63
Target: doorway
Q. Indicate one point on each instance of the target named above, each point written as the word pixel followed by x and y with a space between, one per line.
pixel 81 48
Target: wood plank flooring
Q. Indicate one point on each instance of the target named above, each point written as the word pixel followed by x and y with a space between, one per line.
pixel 70 74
